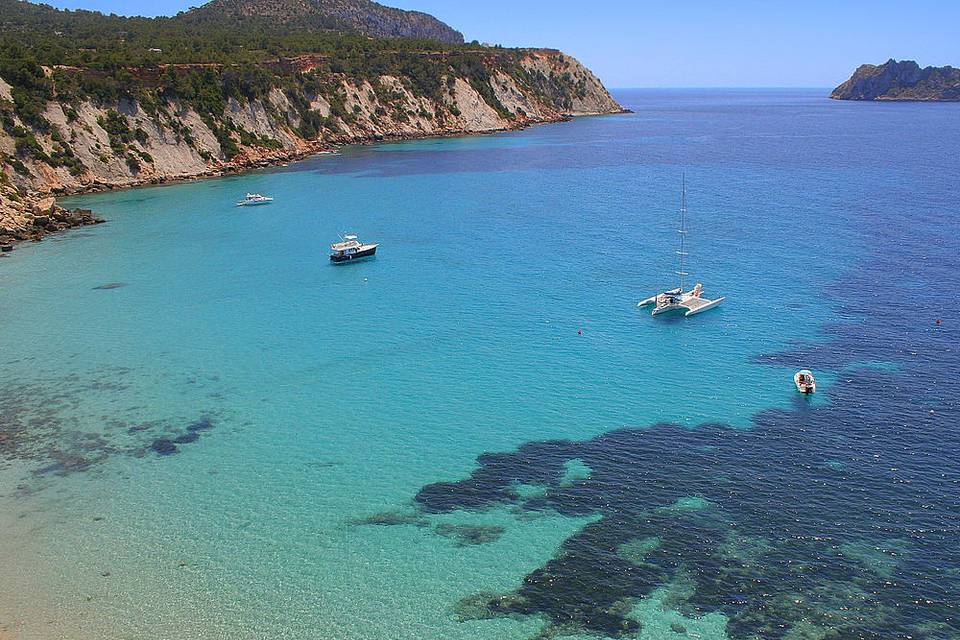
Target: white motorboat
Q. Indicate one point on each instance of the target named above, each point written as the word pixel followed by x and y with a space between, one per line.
pixel 254 199
pixel 806 384
pixel 689 302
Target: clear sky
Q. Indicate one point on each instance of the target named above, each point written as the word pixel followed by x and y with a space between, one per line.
pixel 691 43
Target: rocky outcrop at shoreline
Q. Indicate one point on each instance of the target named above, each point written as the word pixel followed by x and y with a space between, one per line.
pixel 32 218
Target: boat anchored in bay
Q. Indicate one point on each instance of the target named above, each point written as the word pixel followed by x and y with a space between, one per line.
pixel 806 384
pixel 254 199
pixel 689 302
pixel 350 249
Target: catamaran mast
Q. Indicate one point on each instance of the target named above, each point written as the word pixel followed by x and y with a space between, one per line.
pixel 683 229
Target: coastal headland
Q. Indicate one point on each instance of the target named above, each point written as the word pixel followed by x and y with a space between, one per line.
pixel 902 80
pixel 74 123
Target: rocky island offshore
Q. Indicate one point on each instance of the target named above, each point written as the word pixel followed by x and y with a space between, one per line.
pixel 903 80
pixel 92 102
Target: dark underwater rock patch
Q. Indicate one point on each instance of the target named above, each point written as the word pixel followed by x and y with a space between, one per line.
pixel 163 447
pixel 771 547
pixel 54 424
pixel 203 424
pixel 187 438
pixel 33 428
pixel 50 468
pixel 468 535
pixel 796 504
pixel 66 462
pixel 392 519
pixel 487 606
pixel 169 445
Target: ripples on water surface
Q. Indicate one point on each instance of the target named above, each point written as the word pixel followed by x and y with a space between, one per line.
pixel 477 434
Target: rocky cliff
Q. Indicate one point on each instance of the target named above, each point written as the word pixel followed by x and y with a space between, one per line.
pixel 167 131
pixel 31 217
pixel 903 80
pixel 92 101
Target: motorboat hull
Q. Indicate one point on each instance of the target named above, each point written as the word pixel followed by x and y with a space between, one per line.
pixel 337 258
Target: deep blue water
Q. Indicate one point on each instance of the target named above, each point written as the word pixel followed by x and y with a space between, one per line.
pixel 478 434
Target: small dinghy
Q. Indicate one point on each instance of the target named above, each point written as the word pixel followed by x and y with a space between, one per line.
pixel 805 382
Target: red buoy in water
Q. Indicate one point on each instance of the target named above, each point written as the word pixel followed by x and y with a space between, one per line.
pixel 938 322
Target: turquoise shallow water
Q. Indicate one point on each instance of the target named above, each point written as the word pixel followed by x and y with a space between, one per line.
pixel 500 310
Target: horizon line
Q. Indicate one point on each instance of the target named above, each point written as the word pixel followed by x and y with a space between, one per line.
pixel 745 86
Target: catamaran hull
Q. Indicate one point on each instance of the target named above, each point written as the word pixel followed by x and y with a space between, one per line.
pixel 690 307
pixel 704 307
pixel 665 310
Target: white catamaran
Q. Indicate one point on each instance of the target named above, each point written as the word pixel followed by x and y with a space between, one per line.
pixel 690 302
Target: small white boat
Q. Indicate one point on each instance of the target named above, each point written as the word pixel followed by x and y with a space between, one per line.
pixel 689 302
pixel 254 199
pixel 806 384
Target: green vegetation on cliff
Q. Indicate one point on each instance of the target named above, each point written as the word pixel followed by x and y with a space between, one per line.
pixel 120 100
pixel 205 61
pixel 362 16
pixel 95 101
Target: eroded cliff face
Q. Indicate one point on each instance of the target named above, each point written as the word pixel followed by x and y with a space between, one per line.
pixel 568 84
pixel 97 146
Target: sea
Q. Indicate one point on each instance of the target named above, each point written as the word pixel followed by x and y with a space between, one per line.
pixel 209 431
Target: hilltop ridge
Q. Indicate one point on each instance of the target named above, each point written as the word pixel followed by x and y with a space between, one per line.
pixel 364 16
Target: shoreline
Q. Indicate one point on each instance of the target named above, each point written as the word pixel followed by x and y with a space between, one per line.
pixel 116 145
pixel 279 156
pixel 39 201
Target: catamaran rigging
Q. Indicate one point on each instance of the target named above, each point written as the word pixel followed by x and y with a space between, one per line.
pixel 690 302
